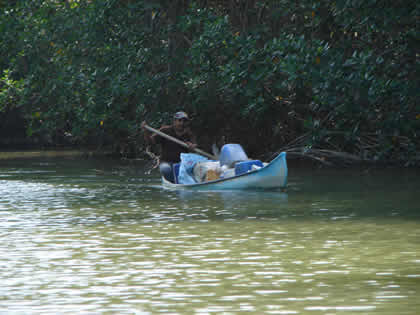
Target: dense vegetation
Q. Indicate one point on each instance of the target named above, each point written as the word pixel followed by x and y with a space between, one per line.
pixel 341 76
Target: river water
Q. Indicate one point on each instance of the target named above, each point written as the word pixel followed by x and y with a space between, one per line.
pixel 90 236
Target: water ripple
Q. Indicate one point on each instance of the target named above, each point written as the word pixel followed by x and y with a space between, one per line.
pixel 89 243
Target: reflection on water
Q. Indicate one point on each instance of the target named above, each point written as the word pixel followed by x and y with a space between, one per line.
pixel 100 237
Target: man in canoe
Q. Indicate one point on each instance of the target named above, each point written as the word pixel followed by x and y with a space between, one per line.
pixel 171 151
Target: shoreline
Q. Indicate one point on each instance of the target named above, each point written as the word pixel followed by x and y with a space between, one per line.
pixel 22 154
pixel 296 161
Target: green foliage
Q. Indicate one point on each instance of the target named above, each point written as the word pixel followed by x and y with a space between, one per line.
pixel 85 65
pixel 10 91
pixel 90 71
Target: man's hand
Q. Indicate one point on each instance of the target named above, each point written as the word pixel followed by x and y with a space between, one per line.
pixel 191 145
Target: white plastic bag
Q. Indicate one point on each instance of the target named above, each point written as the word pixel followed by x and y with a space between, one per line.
pixel 227 172
pixel 202 168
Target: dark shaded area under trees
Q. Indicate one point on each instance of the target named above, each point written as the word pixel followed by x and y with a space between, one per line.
pixel 311 77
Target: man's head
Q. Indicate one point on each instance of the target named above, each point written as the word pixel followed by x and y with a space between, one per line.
pixel 180 120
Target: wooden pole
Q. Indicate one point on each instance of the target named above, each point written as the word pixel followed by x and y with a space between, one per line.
pixel 164 135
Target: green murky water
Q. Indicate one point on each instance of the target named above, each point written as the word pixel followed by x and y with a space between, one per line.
pixel 93 236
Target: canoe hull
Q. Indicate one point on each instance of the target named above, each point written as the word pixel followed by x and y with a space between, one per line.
pixel 273 175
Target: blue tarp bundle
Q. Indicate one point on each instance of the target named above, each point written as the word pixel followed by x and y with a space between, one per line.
pixel 188 161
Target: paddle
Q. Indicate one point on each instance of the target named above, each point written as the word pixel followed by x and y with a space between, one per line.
pixel 164 135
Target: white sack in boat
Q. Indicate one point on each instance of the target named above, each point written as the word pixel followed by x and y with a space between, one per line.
pixel 202 168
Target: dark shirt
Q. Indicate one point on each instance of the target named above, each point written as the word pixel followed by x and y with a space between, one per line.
pixel 171 151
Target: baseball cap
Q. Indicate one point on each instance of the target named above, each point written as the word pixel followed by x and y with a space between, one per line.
pixel 181 115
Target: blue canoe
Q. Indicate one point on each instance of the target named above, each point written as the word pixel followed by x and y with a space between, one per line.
pixel 273 175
